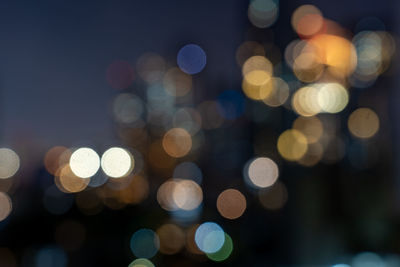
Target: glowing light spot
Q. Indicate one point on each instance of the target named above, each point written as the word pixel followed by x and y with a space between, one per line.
pixel 177 82
pixel 120 74
pixel 292 145
pixel 311 127
pixel 305 101
pixel 191 59
pixel 308 67
pixel 144 243
pixel 231 204
pixel 172 239
pixel 117 162
pixel 363 123
pixel 256 85
pixel 69 182
pixel 332 97
pixel 51 256
pixel 165 195
pixel 127 108
pixel 9 163
pixel 338 53
pixel 55 158
pixel 367 259
pixel 262 172
pixel 314 154
pixel 209 237
pixel 262 13
pixel 260 64
pixel 177 142
pixel 141 263
pixel 151 67
pixel 278 94
pixel 274 197
pixel 247 50
pixel 188 119
pixel 224 252
pixel 5 206
pixel 84 162
pixel 187 194
pixel 307 20
pixel 188 171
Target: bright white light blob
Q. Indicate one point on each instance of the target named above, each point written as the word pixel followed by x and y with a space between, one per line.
pixel 9 163
pixel 209 237
pixel 117 162
pixel 84 162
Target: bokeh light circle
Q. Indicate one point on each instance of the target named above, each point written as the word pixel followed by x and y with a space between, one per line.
pixel 84 162
pixel 262 172
pixel 141 263
pixel 231 204
pixel 191 59
pixel 363 123
pixel 292 145
pixel 9 163
pixel 209 237
pixel 177 142
pixel 117 162
pixel 224 252
pixel 144 243
pixel 5 206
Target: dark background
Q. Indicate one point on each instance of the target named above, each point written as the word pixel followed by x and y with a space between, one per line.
pixel 53 91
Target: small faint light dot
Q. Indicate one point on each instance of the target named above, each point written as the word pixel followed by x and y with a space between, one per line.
pixel 274 197
pixel 262 172
pixel 9 163
pixel 117 162
pixel 5 206
pixel 363 123
pixel 53 157
pixel 144 243
pixel 191 59
pixel 177 142
pixel 231 204
pixel 172 239
pixel 127 108
pixel 177 83
pixel 209 237
pixel 84 162
pixel 292 145
pixel 141 263
pixel 311 127
pixel 150 67
pixel 224 252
